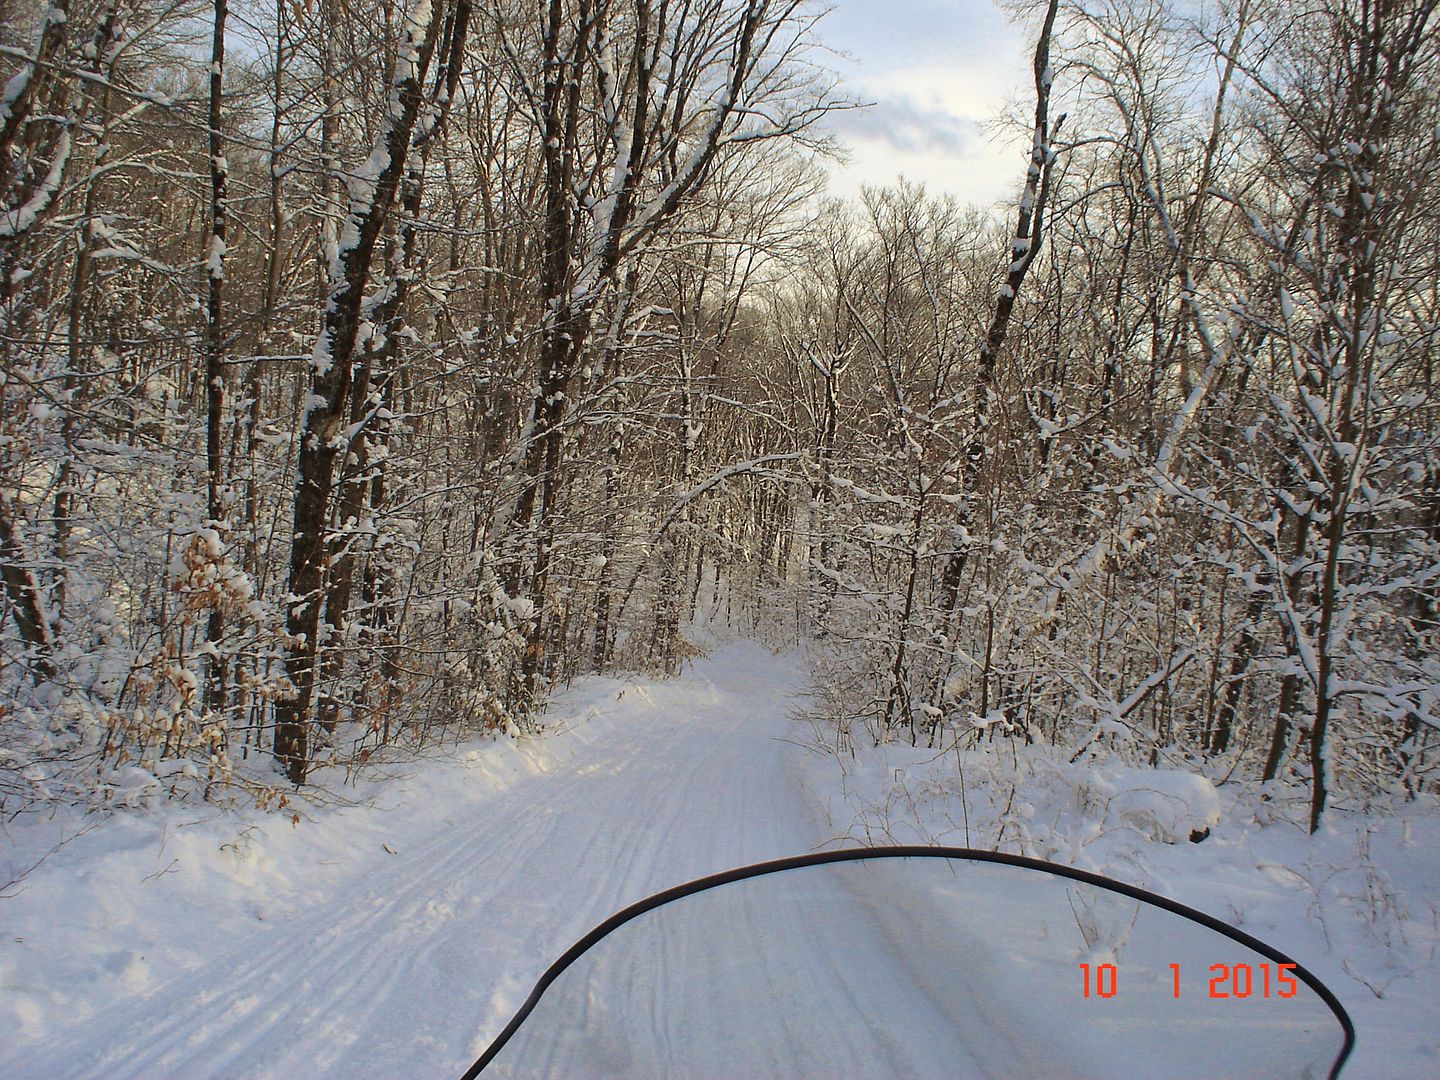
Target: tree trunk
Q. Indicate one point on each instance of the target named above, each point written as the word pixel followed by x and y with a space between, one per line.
pixel 23 591
pixel 332 368
pixel 215 685
pixel 1024 246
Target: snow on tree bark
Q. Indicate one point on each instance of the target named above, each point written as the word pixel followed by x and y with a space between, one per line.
pixel 372 196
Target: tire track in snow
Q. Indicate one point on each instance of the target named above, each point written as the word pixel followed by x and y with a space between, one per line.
pixel 414 971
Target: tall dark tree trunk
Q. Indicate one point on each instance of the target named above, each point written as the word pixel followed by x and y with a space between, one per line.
pixel 1024 246
pixel 364 472
pixel 1246 650
pixel 23 591
pixel 332 369
pixel 218 675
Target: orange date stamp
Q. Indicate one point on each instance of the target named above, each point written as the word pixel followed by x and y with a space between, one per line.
pixel 1227 981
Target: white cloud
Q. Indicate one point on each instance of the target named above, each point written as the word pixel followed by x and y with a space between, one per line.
pixel 939 71
pixel 907 125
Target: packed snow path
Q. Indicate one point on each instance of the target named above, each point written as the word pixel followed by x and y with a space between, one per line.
pixel 407 964
pixel 396 936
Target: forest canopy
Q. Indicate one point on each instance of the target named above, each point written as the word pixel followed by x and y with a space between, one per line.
pixel 369 370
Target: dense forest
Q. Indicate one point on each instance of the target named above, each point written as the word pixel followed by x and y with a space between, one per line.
pixel 367 370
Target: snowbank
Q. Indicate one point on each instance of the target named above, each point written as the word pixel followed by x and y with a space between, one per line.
pixel 1358 903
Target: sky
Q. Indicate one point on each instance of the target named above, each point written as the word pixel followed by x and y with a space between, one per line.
pixel 939 72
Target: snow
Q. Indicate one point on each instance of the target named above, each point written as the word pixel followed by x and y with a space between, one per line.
pixel 1169 805
pixel 903 974
pixel 1358 903
pixel 13 89
pixel 393 928
pixel 215 258
pixel 24 218
pixel 191 942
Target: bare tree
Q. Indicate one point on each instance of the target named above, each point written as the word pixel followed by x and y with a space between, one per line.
pixel 373 196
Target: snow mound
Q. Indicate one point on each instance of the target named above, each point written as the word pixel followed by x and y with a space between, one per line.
pixel 1170 805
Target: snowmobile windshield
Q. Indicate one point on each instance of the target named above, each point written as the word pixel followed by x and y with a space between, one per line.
pixel 920 962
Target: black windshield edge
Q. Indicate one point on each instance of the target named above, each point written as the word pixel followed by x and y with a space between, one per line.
pixel 794 862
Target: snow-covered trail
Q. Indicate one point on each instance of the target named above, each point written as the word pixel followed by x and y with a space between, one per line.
pixel 406 964
pixel 395 937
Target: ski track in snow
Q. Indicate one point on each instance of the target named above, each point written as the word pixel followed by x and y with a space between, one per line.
pixel 413 969
pixel 397 937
